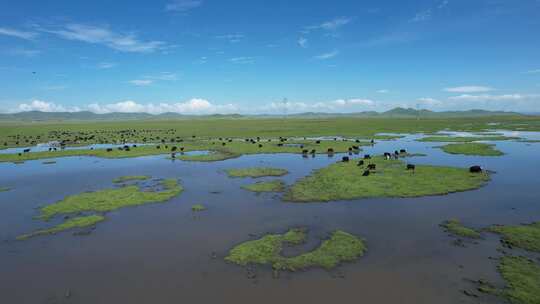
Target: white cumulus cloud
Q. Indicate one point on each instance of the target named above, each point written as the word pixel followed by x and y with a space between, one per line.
pixel 469 89
pixel 17 33
pixel 43 106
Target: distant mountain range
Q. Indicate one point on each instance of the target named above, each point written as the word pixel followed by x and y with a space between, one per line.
pixel 394 113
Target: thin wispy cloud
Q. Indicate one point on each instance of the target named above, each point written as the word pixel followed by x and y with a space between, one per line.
pixel 326 56
pixel 18 33
pixel 106 65
pixel 183 5
pixel 390 39
pixel 429 101
pixel 469 89
pixel 302 42
pixel 24 52
pixel 443 4
pixel 383 91
pixel 488 97
pixel 422 16
pixel 532 72
pixel 232 38
pixel 141 82
pixel 331 25
pixel 104 36
pixel 164 76
pixel 242 60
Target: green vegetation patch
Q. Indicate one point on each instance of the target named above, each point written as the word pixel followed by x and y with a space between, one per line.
pixel 340 247
pixel 455 227
pixel 270 186
pixel 4 189
pixel 256 172
pixel 522 236
pixel 198 208
pixel 111 199
pixel 344 181
pixel 130 178
pixel 523 280
pixel 76 222
pixel 465 138
pixel 212 156
pixel 472 149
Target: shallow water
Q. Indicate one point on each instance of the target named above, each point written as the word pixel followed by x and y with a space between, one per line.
pixel 162 253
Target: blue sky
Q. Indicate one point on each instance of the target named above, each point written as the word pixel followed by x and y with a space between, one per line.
pixel 210 56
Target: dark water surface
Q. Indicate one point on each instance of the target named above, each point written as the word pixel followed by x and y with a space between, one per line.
pixel 162 253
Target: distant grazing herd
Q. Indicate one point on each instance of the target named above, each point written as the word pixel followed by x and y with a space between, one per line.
pixel 81 136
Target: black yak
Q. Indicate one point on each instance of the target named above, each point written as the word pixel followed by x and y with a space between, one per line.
pixel 367 156
pixel 411 167
pixel 402 151
pixel 26 150
pixel 330 151
pixel 360 163
pixel 475 169
pixel 372 167
pixel 345 159
pixel 318 142
pixel 109 150
pixel 366 173
pixel 313 151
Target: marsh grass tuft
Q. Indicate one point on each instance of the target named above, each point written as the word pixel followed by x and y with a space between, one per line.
pixel 130 178
pixel 522 276
pixel 198 208
pixel 456 228
pixel 479 149
pixel 268 186
pixel 256 172
pixel 344 181
pixel 465 139
pixel 522 236
pixel 76 222
pixel 340 247
pixel 111 199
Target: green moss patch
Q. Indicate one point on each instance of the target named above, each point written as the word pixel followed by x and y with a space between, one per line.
pixel 4 189
pixel 522 236
pixel 130 178
pixel 340 247
pixel 472 149
pixel 76 222
pixel 111 199
pixel 198 208
pixel 212 156
pixel 465 138
pixel 256 172
pixel 344 181
pixel 270 186
pixel 456 228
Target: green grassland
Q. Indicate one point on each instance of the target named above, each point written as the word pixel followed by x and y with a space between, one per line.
pixel 270 186
pixel 198 208
pixel 111 199
pixel 218 151
pixel 344 181
pixel 256 172
pixel 4 189
pixel 466 139
pixel 478 149
pixel 76 222
pixel 13 134
pixel 522 236
pixel 456 228
pixel 340 247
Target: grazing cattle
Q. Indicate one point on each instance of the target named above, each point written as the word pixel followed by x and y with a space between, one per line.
pixel 50 149
pixel 358 140
pixel 366 173
pixel 350 149
pixel 301 146
pixel 260 146
pixel 174 149
pixel 372 167
pixel 475 169
pixel 305 151
pixel 402 151
pixel 158 147
pixel 109 150
pixel 313 151
pixel 280 145
pixel 318 142
pixel 230 140
pixel 345 159
pixel 396 152
pixel 26 150
pixel 411 167
pixel 134 146
pixel 223 144
pixel 360 163
pixel 356 147
pixel 367 156
pixel 182 149
pixel 173 155
pixel 387 155
pixel 330 151
pixel 372 141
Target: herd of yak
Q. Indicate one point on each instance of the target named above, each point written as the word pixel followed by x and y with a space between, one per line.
pixel 173 150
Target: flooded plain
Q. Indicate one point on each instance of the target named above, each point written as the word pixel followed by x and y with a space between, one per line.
pixel 164 253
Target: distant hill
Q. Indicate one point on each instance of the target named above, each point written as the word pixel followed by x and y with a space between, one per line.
pixel 90 116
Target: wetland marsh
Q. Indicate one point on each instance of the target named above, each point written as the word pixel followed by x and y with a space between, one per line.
pixel 106 227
